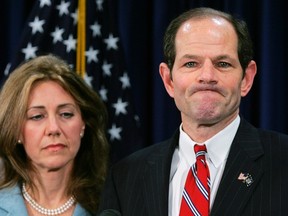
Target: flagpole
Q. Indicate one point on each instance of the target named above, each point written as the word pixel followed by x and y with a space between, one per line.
pixel 81 39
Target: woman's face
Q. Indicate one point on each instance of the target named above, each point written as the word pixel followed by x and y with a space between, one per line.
pixel 52 131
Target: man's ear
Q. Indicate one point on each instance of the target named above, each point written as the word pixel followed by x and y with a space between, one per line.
pixel 248 79
pixel 166 78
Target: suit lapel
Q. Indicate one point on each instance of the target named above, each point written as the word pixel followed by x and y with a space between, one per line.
pixel 156 177
pixel 234 193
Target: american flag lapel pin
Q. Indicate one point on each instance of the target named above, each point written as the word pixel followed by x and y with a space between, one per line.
pixel 246 178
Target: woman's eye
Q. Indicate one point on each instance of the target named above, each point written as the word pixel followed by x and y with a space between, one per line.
pixel 36 117
pixel 67 115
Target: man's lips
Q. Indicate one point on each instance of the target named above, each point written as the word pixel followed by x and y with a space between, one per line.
pixel 206 88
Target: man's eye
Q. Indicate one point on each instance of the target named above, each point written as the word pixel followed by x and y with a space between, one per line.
pixel 223 64
pixel 190 64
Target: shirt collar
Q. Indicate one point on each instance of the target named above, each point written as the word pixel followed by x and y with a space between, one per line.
pixel 217 146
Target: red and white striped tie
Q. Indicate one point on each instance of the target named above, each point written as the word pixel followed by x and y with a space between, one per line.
pixel 196 194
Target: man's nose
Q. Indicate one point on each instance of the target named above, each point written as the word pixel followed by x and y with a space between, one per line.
pixel 208 73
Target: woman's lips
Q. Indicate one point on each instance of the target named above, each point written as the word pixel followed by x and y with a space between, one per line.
pixel 55 147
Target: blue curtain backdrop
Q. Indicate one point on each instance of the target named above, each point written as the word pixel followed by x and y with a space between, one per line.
pixel 141 26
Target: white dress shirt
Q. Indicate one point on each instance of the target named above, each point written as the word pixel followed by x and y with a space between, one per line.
pixel 184 156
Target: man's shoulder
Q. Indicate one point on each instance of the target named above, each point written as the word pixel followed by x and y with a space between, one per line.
pixel 271 135
pixel 151 153
pixel 147 152
pixel 265 135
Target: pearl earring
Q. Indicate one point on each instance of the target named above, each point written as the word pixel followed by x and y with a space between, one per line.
pixel 19 141
pixel 82 132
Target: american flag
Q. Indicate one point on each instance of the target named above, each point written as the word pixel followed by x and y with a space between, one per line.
pixel 52 28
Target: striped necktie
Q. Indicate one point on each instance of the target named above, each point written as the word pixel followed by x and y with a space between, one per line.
pixel 195 199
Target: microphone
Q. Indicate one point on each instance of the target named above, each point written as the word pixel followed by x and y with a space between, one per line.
pixel 110 212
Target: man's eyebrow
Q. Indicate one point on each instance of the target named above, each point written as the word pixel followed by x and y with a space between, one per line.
pixel 189 56
pixel 221 57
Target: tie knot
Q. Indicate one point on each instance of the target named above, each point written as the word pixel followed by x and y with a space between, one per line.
pixel 200 150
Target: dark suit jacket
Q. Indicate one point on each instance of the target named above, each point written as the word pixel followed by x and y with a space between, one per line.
pixel 139 184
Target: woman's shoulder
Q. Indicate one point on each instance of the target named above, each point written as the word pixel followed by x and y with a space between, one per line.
pixel 80 211
pixel 11 201
pixel 10 192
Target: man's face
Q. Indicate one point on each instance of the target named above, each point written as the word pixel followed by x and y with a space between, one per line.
pixel 207 78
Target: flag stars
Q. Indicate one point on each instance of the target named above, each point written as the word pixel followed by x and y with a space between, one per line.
pixel 7 69
pixel 99 5
pixel 75 17
pixel 111 42
pixel 36 25
pixel 103 93
pixel 57 34
pixel 63 8
pixel 70 43
pixel 137 119
pixel 120 107
pixel 44 2
pixel 29 51
pixel 88 79
pixel 96 29
pixel 91 55
pixel 106 68
pixel 125 81
pixel 115 132
pixel 52 28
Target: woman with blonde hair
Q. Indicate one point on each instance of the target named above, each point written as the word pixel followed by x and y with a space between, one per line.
pixel 52 141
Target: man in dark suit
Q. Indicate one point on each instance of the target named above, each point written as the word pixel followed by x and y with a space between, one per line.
pixel 208 67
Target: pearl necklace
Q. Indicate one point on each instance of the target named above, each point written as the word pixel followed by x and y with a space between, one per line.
pixel 44 211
